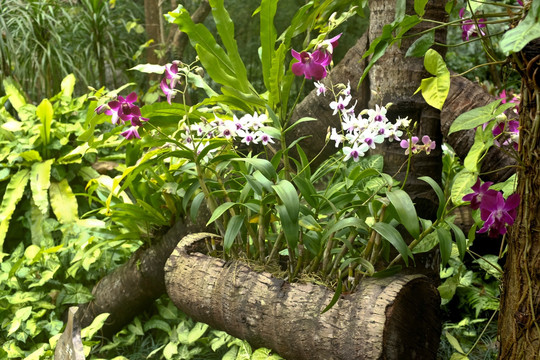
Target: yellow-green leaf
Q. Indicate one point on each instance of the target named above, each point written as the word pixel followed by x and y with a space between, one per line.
pixel 45 113
pixel 39 183
pixel 68 83
pixel 435 89
pixel 63 202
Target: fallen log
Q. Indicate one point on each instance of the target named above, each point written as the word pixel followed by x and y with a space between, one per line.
pixel 134 286
pixel 378 321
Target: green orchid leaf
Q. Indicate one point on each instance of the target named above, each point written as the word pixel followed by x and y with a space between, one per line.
pixel 219 211
pixel 389 233
pixel 461 241
pixel 405 210
pixel 438 191
pixel 264 166
pixel 233 228
pixel 445 244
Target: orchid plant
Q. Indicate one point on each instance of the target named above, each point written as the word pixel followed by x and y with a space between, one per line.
pixel 230 153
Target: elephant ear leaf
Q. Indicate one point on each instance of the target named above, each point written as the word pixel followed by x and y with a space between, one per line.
pixel 63 202
pixel 13 194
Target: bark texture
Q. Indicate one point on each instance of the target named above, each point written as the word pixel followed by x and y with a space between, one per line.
pixel 519 321
pixel 394 78
pixel 379 321
pixel 133 287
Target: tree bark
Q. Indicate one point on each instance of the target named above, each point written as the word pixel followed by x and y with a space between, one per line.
pixel 519 321
pixel 379 321
pixel 152 20
pixel 135 285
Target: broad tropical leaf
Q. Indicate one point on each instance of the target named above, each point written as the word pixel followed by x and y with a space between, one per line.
pixel 39 183
pixel 63 202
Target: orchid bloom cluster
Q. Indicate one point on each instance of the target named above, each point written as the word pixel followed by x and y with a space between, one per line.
pixel 313 65
pixel 470 27
pixel 247 129
pixel 495 211
pixel 411 145
pixel 364 131
pixel 123 110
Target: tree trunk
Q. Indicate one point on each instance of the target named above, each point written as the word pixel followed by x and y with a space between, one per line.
pixel 152 20
pixel 519 321
pixel 394 78
pixel 379 321
pixel 134 286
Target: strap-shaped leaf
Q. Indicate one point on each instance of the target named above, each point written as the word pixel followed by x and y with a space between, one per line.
pixel 268 37
pixel 39 183
pixel 63 202
pixel 225 28
pixel 219 211
pixel 213 57
pixel 264 166
pixel 45 113
pixel 461 242
pixel 389 233
pixel 288 195
pixel 438 191
pixel 13 194
pixel 445 244
pixel 233 228
pixel 405 210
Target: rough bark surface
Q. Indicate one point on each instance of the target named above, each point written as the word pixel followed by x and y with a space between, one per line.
pixel 134 286
pixel 394 78
pixel 378 321
pixel 519 321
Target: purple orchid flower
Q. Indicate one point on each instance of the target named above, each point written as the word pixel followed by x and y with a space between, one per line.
pixel 309 65
pixel 123 108
pixel 469 26
pixel 405 145
pixel 326 49
pixel 512 129
pixel 497 213
pixel 481 192
pixel 131 133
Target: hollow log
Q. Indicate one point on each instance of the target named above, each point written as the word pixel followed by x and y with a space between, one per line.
pixel 378 321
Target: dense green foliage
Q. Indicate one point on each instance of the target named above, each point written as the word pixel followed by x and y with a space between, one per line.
pixel 64 225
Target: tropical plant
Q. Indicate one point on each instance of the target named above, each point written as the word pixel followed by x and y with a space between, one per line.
pixel 44 41
pixel 266 203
